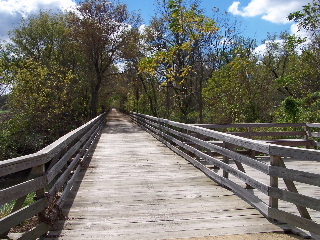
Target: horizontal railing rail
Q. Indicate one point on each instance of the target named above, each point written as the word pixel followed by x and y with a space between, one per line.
pixel 51 173
pixel 228 160
pixel 287 134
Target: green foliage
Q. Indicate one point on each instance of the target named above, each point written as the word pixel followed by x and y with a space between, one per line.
pixel 101 30
pixel 186 30
pixel 17 137
pixel 236 93
pixel 309 17
pixel 46 106
pixel 291 109
pixel 48 93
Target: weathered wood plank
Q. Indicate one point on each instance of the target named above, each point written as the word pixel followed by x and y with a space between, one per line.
pixel 43 156
pixel 269 134
pixel 15 218
pixel 294 220
pixel 295 175
pixel 36 232
pixel 252 125
pixel 296 198
pixel 315 125
pixel 22 189
pixel 21 163
pixel 294 152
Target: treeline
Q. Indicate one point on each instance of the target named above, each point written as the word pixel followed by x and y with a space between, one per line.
pixel 65 68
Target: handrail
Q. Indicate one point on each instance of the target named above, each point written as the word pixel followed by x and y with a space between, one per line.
pixel 53 171
pixel 239 160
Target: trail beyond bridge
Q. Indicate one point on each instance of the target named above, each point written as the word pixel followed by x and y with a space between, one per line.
pixel 137 188
pixel 147 178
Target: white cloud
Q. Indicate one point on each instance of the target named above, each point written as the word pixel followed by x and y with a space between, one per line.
pixel 294 29
pixel 142 28
pixel 261 50
pixel 12 11
pixel 275 11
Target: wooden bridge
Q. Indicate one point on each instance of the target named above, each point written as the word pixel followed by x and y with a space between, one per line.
pixel 119 182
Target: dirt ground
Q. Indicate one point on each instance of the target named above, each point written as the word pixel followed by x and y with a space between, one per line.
pixel 255 236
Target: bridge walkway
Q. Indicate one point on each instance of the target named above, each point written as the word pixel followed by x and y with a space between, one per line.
pixel 137 188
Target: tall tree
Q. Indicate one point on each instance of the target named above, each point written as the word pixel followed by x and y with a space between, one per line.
pixel 181 35
pixel 43 68
pixel 101 29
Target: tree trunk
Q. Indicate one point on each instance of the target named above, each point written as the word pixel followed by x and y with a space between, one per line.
pixel 95 96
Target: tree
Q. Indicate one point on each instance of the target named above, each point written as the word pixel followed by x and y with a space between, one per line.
pixel 308 18
pixel 47 92
pixel 180 36
pixel 237 93
pixel 101 30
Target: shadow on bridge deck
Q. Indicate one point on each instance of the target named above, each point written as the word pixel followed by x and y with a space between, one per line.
pixel 136 188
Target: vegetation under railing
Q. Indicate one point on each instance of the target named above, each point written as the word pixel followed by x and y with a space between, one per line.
pixel 48 174
pixel 228 160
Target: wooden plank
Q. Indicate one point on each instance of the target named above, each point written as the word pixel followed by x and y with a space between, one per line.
pixel 251 125
pixel 274 161
pixel 36 232
pixel 295 220
pixel 52 173
pixel 315 134
pixel 25 162
pixel 185 234
pixel 292 188
pixel 314 125
pixel 68 187
pixel 15 218
pixel 21 163
pixel 295 198
pixel 62 142
pixel 22 189
pixel 62 179
pixel 269 134
pixel 295 175
pixel 289 175
pixel 298 153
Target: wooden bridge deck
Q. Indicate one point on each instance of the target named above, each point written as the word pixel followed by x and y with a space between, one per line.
pixel 137 188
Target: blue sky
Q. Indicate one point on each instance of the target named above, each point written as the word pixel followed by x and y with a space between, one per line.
pixel 258 17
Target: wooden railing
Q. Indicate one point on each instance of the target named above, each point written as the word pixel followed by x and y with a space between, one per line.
pixel 286 134
pixel 50 175
pixel 254 178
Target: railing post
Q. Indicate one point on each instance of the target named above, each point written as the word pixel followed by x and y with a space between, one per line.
pixel 226 159
pixel 37 172
pixel 274 181
pixel 250 130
